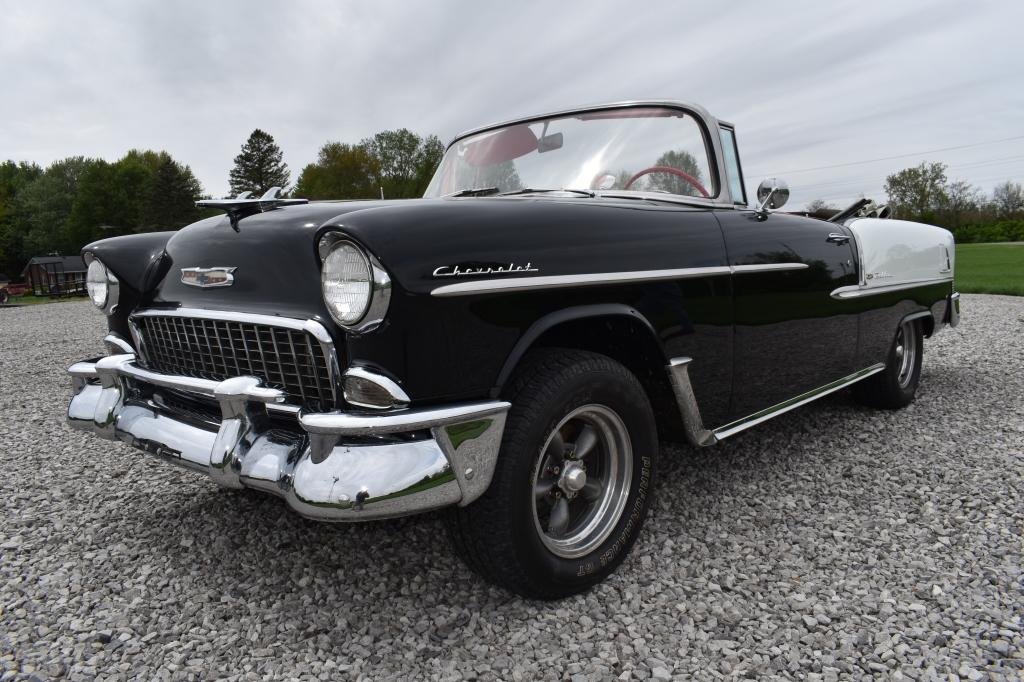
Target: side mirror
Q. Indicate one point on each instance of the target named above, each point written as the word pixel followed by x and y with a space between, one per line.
pixel 771 193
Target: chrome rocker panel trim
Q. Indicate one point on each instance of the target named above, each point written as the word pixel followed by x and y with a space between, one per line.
pixel 859 290
pixel 331 468
pixel 599 278
pixel 697 434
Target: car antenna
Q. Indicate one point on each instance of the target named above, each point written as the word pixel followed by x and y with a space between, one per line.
pixel 245 205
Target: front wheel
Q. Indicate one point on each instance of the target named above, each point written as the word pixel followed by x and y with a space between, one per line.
pixel 896 385
pixel 572 484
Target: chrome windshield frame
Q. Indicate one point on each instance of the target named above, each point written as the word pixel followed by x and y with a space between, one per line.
pixel 708 124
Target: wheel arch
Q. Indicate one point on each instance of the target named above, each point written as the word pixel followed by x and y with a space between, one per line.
pixel 616 330
pixel 924 317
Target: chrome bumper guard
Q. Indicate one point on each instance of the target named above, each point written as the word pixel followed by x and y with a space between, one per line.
pixel 337 466
pixel 953 309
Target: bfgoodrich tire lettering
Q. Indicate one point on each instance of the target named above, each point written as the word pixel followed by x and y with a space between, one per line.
pixel 499 535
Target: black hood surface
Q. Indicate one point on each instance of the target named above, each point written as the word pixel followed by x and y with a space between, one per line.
pixel 277 268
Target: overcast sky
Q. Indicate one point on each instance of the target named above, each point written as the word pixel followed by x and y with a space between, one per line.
pixel 808 84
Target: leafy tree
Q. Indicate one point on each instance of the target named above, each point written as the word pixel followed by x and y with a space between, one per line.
pixel 673 184
pixel 819 206
pixel 14 177
pixel 1008 198
pixel 171 200
pixel 918 193
pixel 962 199
pixel 398 163
pixel 259 166
pixel 45 205
pixel 341 171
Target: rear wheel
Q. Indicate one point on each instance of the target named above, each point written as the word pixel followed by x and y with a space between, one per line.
pixel 896 385
pixel 573 480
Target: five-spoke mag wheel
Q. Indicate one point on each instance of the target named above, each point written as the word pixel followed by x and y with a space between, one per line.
pixel 581 480
pixel 573 480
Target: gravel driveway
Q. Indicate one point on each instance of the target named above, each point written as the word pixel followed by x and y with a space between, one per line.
pixel 834 542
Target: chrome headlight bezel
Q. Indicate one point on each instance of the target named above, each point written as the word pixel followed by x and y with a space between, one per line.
pixel 379 294
pixel 111 285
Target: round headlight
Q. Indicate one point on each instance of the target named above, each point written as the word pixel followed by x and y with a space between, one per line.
pixel 347 282
pixel 97 283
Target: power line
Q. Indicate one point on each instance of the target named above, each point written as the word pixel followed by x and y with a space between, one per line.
pixel 897 156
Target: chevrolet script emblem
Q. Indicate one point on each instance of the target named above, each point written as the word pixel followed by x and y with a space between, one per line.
pixel 208 277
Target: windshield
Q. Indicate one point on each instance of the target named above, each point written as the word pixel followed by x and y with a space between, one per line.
pixel 619 151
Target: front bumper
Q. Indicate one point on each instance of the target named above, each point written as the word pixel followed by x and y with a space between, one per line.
pixel 333 466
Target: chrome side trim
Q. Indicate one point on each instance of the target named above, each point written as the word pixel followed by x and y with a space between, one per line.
pixel 859 291
pixel 398 396
pixel 603 278
pixel 793 403
pixel 767 267
pixel 693 425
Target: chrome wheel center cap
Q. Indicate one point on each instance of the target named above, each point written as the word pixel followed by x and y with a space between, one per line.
pixel 573 478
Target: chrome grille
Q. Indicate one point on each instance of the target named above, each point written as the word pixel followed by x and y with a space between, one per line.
pixel 289 359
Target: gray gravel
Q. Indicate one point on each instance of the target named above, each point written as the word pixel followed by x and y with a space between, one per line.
pixel 834 542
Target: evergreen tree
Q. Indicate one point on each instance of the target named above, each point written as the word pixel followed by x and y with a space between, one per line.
pixel 171 200
pixel 259 166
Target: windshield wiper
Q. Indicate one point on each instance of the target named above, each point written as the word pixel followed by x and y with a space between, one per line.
pixel 475 192
pixel 528 190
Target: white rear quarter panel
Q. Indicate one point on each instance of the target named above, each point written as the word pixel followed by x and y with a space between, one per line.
pixel 899 251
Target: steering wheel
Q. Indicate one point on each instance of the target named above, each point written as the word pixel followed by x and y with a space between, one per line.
pixel 673 171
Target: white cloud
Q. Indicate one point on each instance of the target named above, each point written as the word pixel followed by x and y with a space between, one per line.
pixel 807 83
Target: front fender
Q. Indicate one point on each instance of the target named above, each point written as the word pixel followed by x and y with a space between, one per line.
pixel 554 319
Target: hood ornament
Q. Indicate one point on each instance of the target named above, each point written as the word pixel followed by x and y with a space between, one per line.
pixel 207 278
pixel 243 206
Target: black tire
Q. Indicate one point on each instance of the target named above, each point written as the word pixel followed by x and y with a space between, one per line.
pixel 896 385
pixel 500 535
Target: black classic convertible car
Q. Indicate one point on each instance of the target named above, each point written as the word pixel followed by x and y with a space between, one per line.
pixel 572 288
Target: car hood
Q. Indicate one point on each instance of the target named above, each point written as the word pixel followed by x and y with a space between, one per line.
pixel 277 268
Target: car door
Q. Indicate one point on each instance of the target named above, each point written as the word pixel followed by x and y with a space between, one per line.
pixel 790 336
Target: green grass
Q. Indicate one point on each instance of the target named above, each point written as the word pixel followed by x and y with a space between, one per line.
pixel 990 269
pixel 28 299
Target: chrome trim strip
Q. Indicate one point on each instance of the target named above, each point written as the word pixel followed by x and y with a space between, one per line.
pixel 693 424
pixel 125 365
pixel 603 278
pixel 225 315
pixel 793 403
pixel 348 424
pixel 112 341
pixel 859 291
pixel 767 267
pixel 399 397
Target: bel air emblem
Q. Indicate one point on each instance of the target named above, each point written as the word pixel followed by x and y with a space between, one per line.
pixel 208 277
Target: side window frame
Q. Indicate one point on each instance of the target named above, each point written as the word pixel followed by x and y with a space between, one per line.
pixel 727 136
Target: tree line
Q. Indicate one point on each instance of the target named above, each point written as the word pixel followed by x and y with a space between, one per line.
pixel 77 200
pixel 924 193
